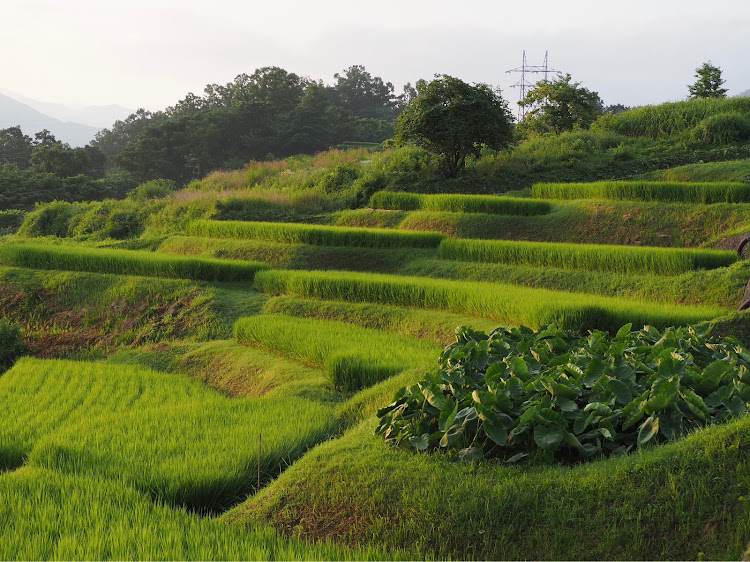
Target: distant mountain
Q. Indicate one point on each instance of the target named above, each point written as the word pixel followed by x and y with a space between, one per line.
pixel 93 115
pixel 13 113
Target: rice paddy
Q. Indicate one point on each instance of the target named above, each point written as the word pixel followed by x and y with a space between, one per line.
pixel 396 200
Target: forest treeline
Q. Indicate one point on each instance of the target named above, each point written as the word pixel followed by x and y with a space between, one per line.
pixel 268 114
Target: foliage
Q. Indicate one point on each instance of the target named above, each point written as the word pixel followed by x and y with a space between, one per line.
pixel 558 105
pixel 154 189
pixel 11 346
pixel 622 259
pixel 708 82
pixel 454 119
pixel 549 394
pixel 678 192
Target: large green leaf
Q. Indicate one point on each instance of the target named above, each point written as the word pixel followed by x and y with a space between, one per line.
pixel 549 437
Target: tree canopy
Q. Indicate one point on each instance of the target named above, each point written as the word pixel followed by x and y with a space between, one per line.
pixel 708 82
pixel 454 119
pixel 560 105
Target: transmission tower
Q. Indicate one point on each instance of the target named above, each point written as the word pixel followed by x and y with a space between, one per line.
pixel 523 84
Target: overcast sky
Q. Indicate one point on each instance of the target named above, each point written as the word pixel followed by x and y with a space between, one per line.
pixel 150 53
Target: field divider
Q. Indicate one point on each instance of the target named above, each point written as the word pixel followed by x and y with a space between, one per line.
pixel 507 304
pixel 127 262
pixel 319 235
pixel 587 257
pixel 675 192
pixel 458 203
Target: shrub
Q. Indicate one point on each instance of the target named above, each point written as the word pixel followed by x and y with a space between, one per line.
pixel 722 128
pixel 154 189
pixel 11 346
pixel 551 395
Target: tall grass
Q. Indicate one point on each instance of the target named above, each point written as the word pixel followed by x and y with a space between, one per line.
pixel 677 192
pixel 125 262
pixel 458 203
pixel 508 304
pixel 621 259
pixel 294 233
pixel 171 437
pixel 354 357
pixel 670 119
pixel 46 515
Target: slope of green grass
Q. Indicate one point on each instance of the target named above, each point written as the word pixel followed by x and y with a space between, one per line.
pixel 458 203
pixel 680 501
pixel 731 171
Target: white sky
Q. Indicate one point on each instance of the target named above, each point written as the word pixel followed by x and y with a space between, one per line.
pixel 150 53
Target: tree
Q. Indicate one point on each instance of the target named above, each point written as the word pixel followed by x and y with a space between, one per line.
pixel 454 119
pixel 559 105
pixel 708 82
pixel 364 95
pixel 15 147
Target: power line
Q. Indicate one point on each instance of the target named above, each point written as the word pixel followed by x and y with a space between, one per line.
pixel 523 84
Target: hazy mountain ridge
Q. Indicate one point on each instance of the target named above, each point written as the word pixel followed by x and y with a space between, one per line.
pixel 31 121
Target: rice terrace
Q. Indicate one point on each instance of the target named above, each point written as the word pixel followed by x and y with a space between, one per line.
pixel 310 331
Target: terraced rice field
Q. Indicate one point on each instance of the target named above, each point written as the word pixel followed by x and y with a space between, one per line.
pixel 313 328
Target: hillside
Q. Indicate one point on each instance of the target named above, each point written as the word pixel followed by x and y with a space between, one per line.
pixel 210 364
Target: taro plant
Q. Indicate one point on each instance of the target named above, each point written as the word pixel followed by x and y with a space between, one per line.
pixel 553 395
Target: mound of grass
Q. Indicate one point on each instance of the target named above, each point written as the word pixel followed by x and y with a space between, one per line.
pixel 507 304
pixel 295 233
pixel 46 515
pixel 731 171
pixel 458 203
pixel 676 192
pixel 166 435
pixel 621 259
pixel 126 262
pixel 353 357
pixel 680 501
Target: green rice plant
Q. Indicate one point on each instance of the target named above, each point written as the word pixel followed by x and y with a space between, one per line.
pixel 677 192
pixel 166 435
pixel 295 233
pixel 621 259
pixel 431 325
pixel 353 357
pixel 507 304
pixel 458 203
pixel 126 262
pixel 47 515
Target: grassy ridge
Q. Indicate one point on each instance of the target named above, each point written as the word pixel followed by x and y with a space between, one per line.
pixel 675 192
pixel 458 203
pixel 46 515
pixel 295 233
pixel 126 262
pixel 504 303
pixel 672 502
pixel 622 259
pixel 169 436
pixel 716 287
pixel 353 357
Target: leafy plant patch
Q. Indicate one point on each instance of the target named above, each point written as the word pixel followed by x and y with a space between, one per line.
pixel 553 395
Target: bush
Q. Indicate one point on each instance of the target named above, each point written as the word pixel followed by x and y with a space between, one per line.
pixel 723 128
pixel 154 189
pixel 552 395
pixel 11 346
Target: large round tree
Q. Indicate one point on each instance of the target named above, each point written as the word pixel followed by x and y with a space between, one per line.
pixel 454 119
